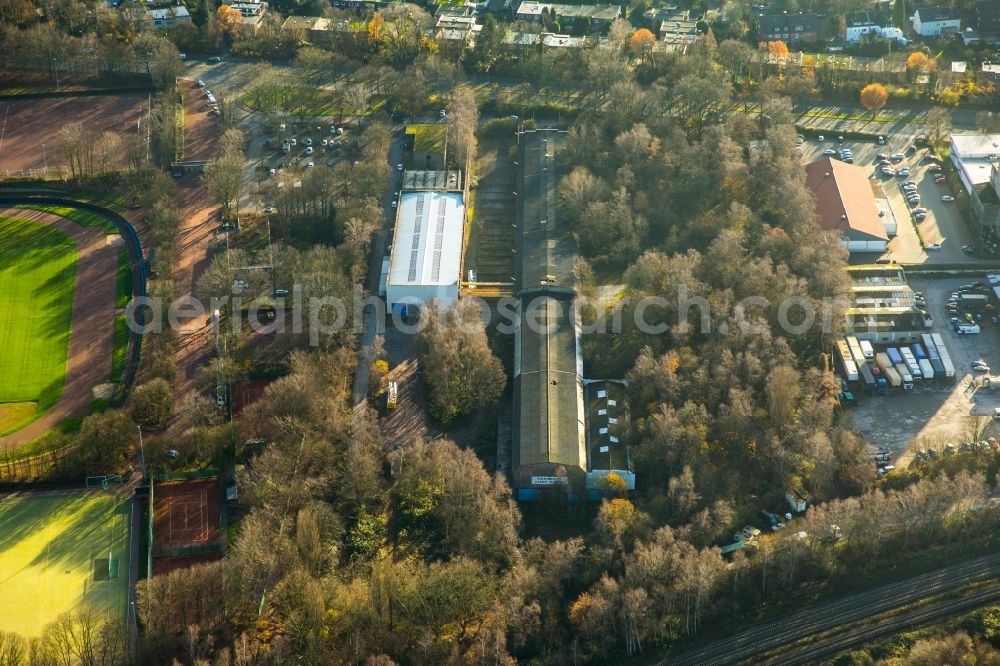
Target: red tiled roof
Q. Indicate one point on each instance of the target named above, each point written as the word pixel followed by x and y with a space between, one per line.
pixel 844 199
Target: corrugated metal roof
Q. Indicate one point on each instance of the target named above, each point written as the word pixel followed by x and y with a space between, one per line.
pixel 428 239
pixel 548 388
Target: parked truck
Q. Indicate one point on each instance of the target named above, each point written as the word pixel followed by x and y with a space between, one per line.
pixel 905 376
pixel 893 377
pixel 911 362
pixel 881 385
pixel 867 350
pixel 883 360
pixel 918 351
pixel 867 379
pixel 894 355
pixel 856 353
pixel 847 363
pixel 949 367
pixel 926 369
pixel 933 356
pixel 974 301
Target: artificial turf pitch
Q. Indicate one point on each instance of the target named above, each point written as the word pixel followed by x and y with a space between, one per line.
pixel 54 558
pixel 37 277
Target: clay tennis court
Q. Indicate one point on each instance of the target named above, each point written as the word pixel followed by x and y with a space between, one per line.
pixel 185 516
pixel 27 124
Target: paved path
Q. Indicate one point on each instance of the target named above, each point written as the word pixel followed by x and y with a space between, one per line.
pixel 91 336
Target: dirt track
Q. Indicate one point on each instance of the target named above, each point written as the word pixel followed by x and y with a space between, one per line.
pixel 199 213
pixel 26 125
pixel 91 334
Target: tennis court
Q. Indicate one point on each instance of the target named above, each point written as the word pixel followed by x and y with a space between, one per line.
pixel 186 517
pixel 59 552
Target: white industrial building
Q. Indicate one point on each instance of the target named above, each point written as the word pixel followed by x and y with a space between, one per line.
pixel 425 261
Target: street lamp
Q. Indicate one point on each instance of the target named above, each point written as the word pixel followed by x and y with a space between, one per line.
pixel 45 159
pixel 142 454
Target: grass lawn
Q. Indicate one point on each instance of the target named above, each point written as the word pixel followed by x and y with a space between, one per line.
pixel 54 555
pixel 84 218
pixel 317 102
pixel 427 138
pixel 37 271
pixel 120 348
pixel 123 289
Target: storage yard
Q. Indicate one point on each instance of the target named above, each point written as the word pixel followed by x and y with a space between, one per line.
pixel 951 396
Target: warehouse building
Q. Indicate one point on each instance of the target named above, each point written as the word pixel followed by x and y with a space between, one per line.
pixel 845 203
pixel 425 255
pixel 883 306
pixel 550 447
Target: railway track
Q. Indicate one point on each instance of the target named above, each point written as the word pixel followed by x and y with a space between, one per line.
pixel 765 637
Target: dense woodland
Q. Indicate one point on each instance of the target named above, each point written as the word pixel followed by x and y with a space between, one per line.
pixel 356 550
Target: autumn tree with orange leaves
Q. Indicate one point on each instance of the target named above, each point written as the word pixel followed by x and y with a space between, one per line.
pixel 641 42
pixel 873 97
pixel 229 19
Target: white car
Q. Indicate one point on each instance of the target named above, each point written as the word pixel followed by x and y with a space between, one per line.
pixel 326 142
pixel 947 198
pixel 309 151
pixel 199 83
pixel 920 210
pixel 310 164
pixel 980 366
pixel 996 412
pixel 399 167
pixel 307 141
pixel 820 138
pixel 829 152
pixel 293 142
pixel 932 246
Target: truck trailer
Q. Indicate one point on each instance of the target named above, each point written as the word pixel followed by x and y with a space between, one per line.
pixel 894 355
pixel 949 367
pixel 905 376
pixel 867 350
pixel 856 353
pixel 893 377
pixel 911 362
pixel 919 351
pixel 847 363
pixel 926 369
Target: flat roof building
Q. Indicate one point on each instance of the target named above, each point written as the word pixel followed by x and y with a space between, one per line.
pixel 977 159
pixel 425 260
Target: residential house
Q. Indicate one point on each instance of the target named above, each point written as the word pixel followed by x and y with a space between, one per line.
pixel 252 11
pixel 165 18
pixel 600 16
pixel 456 32
pixel 788 28
pixel 936 21
pixel 675 28
pixel 859 24
pixel 845 203
pixel 519 41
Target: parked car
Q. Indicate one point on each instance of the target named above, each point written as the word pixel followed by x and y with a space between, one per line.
pixel 881 140
pixel 399 167
pixel 199 83
pixel 310 164
pixel 920 210
pixel 940 180
pixel 829 152
pixel 920 217
pixel 820 138
pixel 968 249
pixel 934 168
pixel 947 198
pixel 897 157
pixel 309 151
pixel 929 157
pixel 307 141
pixel 214 59
pixel 980 366
pixel 932 246
pixel 904 172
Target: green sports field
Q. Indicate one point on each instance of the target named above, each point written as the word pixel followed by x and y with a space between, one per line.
pixel 54 558
pixel 37 274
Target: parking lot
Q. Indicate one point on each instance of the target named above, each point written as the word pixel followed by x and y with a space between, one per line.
pixel 935 413
pixel 943 223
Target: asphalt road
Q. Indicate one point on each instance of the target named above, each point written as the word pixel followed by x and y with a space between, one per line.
pixel 773 634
